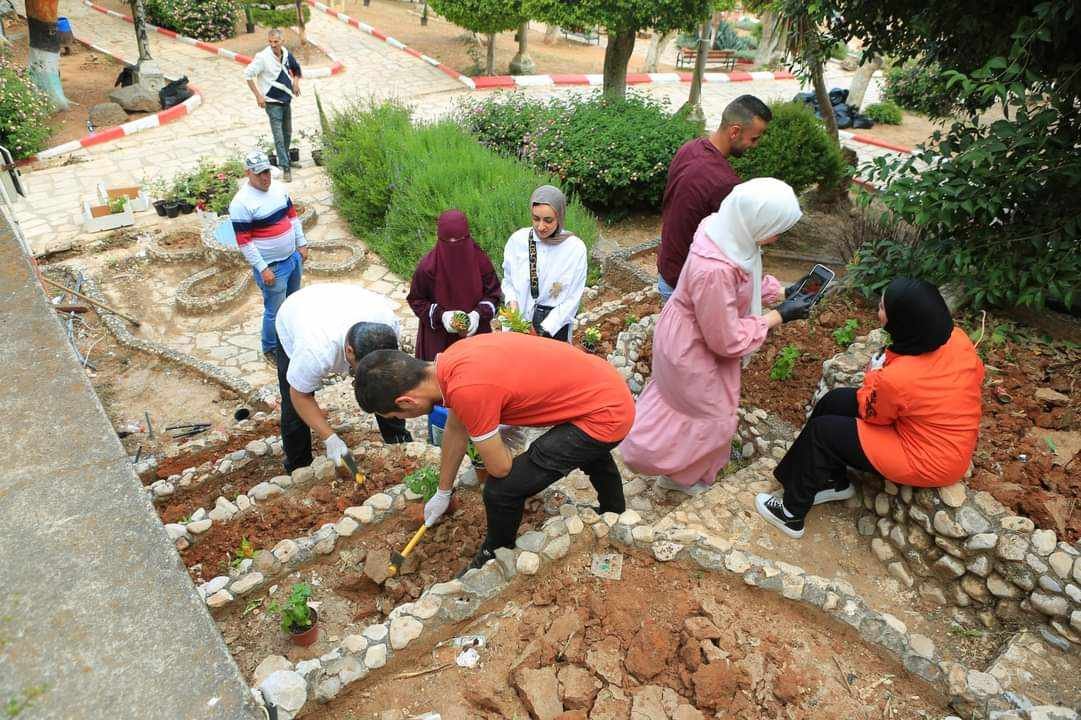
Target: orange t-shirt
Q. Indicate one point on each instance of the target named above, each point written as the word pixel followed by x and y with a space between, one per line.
pixel 919 415
pixel 518 379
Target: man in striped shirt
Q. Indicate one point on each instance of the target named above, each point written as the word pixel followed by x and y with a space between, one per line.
pixel 269 234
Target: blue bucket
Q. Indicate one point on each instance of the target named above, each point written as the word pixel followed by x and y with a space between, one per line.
pixel 437 422
pixel 63 25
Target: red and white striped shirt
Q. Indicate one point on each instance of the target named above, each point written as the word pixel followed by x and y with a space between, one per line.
pixel 266 225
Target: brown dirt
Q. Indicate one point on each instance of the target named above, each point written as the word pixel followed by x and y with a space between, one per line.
pixel 633 230
pixel 614 323
pixel 721 647
pixel 87 76
pixel 347 598
pixel 181 240
pixel 219 282
pixel 814 338
pixel 329 255
pixel 175 466
pixel 607 294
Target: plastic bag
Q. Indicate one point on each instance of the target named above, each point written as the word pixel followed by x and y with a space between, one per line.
pixel 838 96
pixel 862 122
pixel 174 93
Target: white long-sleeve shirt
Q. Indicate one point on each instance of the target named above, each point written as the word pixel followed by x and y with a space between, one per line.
pixel 561 271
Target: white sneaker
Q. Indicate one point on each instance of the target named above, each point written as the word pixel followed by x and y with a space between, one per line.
pixel 667 483
pixel 831 495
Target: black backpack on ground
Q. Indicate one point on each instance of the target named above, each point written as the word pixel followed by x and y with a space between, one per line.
pixel 174 93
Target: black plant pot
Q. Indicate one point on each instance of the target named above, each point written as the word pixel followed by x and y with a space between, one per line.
pixel 159 207
pixel 273 158
pixel 186 208
pixel 172 209
pixel 317 157
pixel 294 154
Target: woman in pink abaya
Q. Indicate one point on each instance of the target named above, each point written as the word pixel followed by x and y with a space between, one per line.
pixel 686 415
pixel 455 276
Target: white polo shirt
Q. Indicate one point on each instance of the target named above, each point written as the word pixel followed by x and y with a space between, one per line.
pixel 312 324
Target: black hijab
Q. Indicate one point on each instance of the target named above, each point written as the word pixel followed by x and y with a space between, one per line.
pixel 917 318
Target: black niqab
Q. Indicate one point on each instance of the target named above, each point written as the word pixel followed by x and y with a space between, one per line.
pixel 917 318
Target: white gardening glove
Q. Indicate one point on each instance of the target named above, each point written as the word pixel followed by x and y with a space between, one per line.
pixel 877 361
pixel 474 322
pixel 448 322
pixel 434 508
pixel 336 448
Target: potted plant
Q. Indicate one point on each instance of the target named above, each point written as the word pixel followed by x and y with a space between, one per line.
pixel 116 205
pixel 294 154
pixel 267 146
pixel 316 140
pixel 158 190
pixel 591 338
pixel 172 206
pixel 299 620
pixel 187 205
pixel 478 462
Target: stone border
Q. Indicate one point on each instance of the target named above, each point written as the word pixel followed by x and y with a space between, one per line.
pixel 605 309
pixel 221 255
pixel 356 257
pixel 159 253
pixel 960 547
pixel 119 329
pixel 624 355
pixel 316 72
pixel 618 264
pixel 194 303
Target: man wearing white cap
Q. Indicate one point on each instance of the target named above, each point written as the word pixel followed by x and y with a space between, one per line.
pixel 269 234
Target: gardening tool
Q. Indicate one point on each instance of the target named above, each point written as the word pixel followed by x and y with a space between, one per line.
pixel 398 559
pixel 92 301
pixel 351 464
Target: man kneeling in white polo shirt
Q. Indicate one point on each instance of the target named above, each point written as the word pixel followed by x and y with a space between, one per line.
pixel 324 330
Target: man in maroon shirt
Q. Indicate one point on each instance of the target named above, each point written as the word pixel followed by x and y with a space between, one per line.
pixel 699 178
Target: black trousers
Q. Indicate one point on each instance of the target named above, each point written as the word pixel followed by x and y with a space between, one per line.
pixel 551 456
pixel 827 445
pixel 297 436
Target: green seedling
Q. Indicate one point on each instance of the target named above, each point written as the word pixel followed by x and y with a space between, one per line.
pixel 251 607
pixel 244 552
pixel 295 614
pixel 784 364
pixel 630 319
pixel 117 205
pixel 846 334
pixel 512 320
pixel 423 482
pixel 474 455
pixel 965 632
pixel 591 338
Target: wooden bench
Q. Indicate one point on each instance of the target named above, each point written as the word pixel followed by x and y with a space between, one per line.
pixel 589 37
pixel 715 59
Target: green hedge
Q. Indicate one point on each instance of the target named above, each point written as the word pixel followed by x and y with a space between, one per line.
pixel 24 112
pixel 277 15
pixel 795 148
pixel 392 179
pixel 613 154
pixel 207 20
pixel 920 86
pixel 886 113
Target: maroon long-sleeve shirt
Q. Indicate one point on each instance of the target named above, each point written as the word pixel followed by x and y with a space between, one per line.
pixel 699 178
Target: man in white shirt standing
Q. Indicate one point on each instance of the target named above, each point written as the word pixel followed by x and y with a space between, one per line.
pixel 324 330
pixel 269 234
pixel 274 79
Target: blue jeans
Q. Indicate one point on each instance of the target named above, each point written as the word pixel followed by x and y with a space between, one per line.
pixel 286 282
pixel 664 289
pixel 281 127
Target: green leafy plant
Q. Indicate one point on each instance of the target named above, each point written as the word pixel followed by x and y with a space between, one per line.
pixel 784 363
pixel 295 614
pixel 276 13
pixel 965 632
pixel 846 334
pixel 117 205
pixel 252 606
pixel 423 481
pixel 24 111
pixel 726 38
pixel 591 338
pixel 629 319
pixel 474 455
pixel 200 19
pixel 245 551
pixel 16 704
pixel 512 319
pixel 920 86
pixel 886 113
pixel 504 122
pixel 210 185
pixel 795 148
pixel 460 321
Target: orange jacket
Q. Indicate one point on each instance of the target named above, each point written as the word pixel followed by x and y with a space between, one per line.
pixel 919 415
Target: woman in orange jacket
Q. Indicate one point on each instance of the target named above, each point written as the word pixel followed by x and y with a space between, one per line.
pixel 914 421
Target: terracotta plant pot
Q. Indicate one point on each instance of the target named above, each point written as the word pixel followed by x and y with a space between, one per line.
pixel 159 207
pixel 307 637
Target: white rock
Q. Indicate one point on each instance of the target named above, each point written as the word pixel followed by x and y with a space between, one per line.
pixel 282 481
pixel 346 526
pixel 198 515
pixel 221 597
pixel 264 490
pixel 354 644
pixel 953 495
pixel 285 689
pixel 425 608
pixel 575 525
pixel 404 630
pixel 376 656
pixel 247 583
pixel 270 665
pixel 1043 542
pixel 380 501
pixel 376 633
pixel 610 518
pixel 199 526
pixel 1060 563
pixel 176 531
pixel 243 502
pixel 643 534
pixel 362 513
pixel 286 550
pixel 214 585
pixel 528 563
pixel 630 518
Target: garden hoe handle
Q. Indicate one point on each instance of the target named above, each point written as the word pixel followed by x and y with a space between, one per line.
pixel 351 464
pixel 396 560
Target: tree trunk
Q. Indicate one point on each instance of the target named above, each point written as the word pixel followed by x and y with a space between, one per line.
pixel 862 79
pixel 693 106
pixel 138 18
pixel 657 47
pixel 823 98
pixel 300 23
pixel 44 58
pixel 550 34
pixel 773 37
pixel 522 64
pixel 490 69
pixel 616 57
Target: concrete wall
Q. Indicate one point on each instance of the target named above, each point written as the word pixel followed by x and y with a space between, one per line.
pixel 98 618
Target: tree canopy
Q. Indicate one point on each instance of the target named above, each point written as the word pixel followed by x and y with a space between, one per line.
pixel 481 16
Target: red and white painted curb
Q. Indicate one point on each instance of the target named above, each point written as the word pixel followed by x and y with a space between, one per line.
pixel 315 72
pixel 519 81
pixel 868 140
pixel 129 128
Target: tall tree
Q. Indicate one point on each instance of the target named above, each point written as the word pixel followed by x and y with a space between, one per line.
pixel 622 19
pixel 771 46
pixel 482 16
pixel 522 64
pixel 658 44
pixel 862 79
pixel 44 58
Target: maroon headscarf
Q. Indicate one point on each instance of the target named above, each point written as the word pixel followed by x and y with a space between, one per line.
pixel 458 284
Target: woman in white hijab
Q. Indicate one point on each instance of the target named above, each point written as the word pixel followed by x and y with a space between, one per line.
pixel 544 267
pixel 686 415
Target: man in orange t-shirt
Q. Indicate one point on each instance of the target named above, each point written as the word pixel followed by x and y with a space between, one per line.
pixel 511 379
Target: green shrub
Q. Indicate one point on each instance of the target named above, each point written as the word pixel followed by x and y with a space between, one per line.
pixel 392 180
pixel 727 38
pixel 887 113
pixel 210 185
pixel 919 86
pixel 201 19
pixel 24 112
pixel 795 148
pixel 613 154
pixel 277 14
pixel 505 122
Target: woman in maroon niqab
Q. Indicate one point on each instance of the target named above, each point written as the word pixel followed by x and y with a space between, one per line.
pixel 455 276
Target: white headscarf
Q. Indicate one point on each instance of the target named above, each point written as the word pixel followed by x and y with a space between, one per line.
pixel 753 211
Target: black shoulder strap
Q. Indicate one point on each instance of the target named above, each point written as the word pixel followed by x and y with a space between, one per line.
pixel 534 281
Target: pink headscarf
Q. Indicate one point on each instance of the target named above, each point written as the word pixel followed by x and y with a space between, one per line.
pixel 458 284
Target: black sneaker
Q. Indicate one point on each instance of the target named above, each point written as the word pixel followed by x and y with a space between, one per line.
pixel 772 510
pixel 483 555
pixel 271 356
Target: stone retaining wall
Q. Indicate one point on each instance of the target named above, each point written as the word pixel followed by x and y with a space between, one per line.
pixel 961 547
pixel 619 270
pixel 195 303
